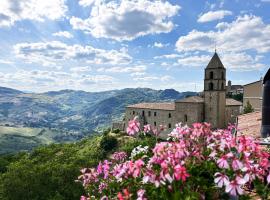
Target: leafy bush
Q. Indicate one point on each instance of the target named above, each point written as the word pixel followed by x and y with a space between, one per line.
pixel 116 131
pixel 108 143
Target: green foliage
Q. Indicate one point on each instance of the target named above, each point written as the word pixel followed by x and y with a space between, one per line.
pixel 248 108
pixel 116 131
pixel 108 143
pixel 49 172
pixel 237 97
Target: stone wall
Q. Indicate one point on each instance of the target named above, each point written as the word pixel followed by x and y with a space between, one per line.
pixel 119 125
pixel 231 114
pixel 188 113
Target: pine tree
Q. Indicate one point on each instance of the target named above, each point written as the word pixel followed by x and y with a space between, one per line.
pixel 248 108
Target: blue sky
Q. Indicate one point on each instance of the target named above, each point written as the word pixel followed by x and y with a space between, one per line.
pixel 97 45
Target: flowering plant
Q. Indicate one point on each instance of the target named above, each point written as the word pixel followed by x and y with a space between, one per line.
pixel 195 163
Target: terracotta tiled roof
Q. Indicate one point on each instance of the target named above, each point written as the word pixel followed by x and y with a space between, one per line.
pixel 250 124
pixel 232 102
pixel 193 99
pixel 155 106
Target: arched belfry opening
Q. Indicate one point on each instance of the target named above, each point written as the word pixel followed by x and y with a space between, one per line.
pixel 211 86
pixel 211 75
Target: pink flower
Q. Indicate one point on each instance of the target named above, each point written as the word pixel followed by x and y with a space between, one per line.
pixel 180 173
pixel 84 198
pixel 222 163
pixel 140 194
pixel 221 179
pixel 234 188
pixel 133 127
pixel 236 164
pixel 147 128
pixel 268 178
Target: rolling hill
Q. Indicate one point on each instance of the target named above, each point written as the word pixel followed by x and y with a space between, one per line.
pixel 67 115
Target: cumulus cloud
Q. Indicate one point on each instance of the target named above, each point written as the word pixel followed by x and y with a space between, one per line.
pixel 125 19
pixel 40 80
pixel 65 34
pixel 165 78
pixel 50 52
pixel 81 69
pixel 38 10
pixel 86 3
pixel 213 15
pixel 235 61
pixel 247 32
pixel 134 69
pixel 194 61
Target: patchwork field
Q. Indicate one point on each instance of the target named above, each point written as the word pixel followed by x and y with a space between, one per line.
pixel 13 139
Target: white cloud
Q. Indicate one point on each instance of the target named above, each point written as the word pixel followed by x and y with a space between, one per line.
pixel 127 20
pixel 165 78
pixel 194 61
pixel 86 3
pixel 37 80
pixel 38 10
pixel 213 15
pixel 50 52
pixel 6 62
pixel 235 61
pixel 168 56
pixel 65 34
pixel 242 62
pixel 81 69
pixel 158 45
pixel 245 33
pixel 134 69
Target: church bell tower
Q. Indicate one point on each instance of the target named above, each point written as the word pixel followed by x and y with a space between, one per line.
pixel 215 92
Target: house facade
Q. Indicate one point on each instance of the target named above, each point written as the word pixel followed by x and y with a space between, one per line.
pixel 253 94
pixel 212 106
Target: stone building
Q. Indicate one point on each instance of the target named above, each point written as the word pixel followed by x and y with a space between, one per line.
pixel 212 106
pixel 253 94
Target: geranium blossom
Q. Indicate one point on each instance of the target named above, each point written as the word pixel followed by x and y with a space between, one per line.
pixel 133 127
pixel 233 162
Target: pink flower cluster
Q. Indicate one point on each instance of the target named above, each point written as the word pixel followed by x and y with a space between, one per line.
pixel 237 161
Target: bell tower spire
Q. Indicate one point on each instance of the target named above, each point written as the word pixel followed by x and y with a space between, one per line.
pixel 215 92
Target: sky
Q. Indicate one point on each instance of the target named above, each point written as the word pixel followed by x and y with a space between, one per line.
pixel 97 45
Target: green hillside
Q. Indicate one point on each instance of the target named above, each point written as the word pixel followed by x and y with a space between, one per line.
pixel 49 173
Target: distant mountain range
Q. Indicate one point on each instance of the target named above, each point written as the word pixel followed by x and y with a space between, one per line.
pixel 73 114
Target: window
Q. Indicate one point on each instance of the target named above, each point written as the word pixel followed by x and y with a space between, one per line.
pixel 211 75
pixel 170 116
pixel 222 75
pixel 149 113
pixel 169 126
pixel 143 113
pixel 155 123
pixel 211 86
pixel 155 113
pixel 133 112
pixel 185 118
pixel 222 86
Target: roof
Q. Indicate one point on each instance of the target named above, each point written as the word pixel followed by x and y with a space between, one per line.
pixel 232 102
pixel 253 82
pixel 154 106
pixel 250 124
pixel 215 62
pixel 193 99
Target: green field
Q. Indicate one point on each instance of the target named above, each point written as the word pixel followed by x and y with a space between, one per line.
pixel 13 139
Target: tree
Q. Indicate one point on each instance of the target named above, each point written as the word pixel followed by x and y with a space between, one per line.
pixel 248 108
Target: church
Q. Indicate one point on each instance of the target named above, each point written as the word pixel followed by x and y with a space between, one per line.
pixel 211 106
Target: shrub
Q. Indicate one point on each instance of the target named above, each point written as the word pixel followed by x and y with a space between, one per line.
pixel 108 143
pixel 116 131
